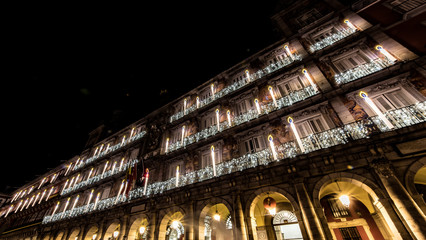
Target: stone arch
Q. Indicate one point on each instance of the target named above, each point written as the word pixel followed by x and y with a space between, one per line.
pixel 112 226
pixel 376 194
pixel 254 197
pixel 60 235
pixel 74 232
pixel 135 223
pixel 205 207
pixel 168 215
pixel 409 182
pixel 91 230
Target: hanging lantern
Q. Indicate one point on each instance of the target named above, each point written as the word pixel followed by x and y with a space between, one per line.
pixel 270 204
pixel 344 199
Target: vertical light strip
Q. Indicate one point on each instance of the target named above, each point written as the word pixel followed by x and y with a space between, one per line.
pixel 213 160
pixel 296 134
pixel 373 106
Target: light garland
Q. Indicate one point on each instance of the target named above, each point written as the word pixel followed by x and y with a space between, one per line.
pixel 237 85
pixel 406 116
pixel 330 40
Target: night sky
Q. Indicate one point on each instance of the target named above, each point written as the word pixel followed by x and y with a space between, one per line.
pixel 70 68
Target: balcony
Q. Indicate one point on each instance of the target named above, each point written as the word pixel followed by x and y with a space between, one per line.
pixel 99 177
pixel 285 101
pixel 109 150
pixel 237 85
pixel 400 118
pixel 362 70
pixel 330 40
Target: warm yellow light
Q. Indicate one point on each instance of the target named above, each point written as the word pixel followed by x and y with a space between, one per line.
pixel 228 114
pixel 115 234
pixel 344 199
pixel 363 94
pixel 256 102
pixel 175 224
pixel 272 211
pixel 213 160
pixel 349 24
pixel 271 91
pixel 216 217
pixel 142 230
pixel 386 53
pixel 94 236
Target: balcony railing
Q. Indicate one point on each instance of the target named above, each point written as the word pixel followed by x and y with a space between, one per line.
pixel 362 70
pixel 330 40
pixel 287 100
pixel 400 118
pixel 99 177
pixel 109 150
pixel 237 85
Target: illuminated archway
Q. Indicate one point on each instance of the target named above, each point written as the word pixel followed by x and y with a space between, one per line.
pixel 92 233
pixel 367 210
pixel 172 226
pixel 112 228
pixel 138 229
pixel 215 222
pixel 264 208
pixel 74 233
pixel 59 236
pixel 415 181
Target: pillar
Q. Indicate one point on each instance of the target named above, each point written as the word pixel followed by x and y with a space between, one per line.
pixel 189 222
pixel 310 218
pixel 411 215
pixel 240 231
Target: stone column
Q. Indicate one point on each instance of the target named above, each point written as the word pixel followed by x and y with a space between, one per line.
pixel 410 213
pixel 152 227
pixel 123 229
pixel 189 222
pixel 310 218
pixel 240 231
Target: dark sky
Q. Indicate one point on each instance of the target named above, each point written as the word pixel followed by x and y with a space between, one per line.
pixel 71 67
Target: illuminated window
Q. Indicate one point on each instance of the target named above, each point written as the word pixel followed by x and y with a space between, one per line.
pixel 392 100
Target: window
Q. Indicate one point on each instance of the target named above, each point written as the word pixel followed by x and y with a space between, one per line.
pixel 392 100
pixel 309 17
pixel 291 85
pixel 172 169
pixel 206 158
pixel 244 106
pixel 337 208
pixel 350 233
pixel 311 126
pixel 253 144
pixel 286 226
pixel 208 120
pixel 349 62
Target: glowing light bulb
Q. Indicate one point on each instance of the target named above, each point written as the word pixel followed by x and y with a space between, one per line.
pixel 247 75
pixel 344 199
pixel 213 160
pixel 167 145
pixel 256 102
pixel 308 76
pixel 287 49
pixel 146 181
pixel 386 53
pixel 142 230
pixel 272 145
pixel 175 224
pixel 350 25
pixel 228 114
pixel 198 102
pixel 56 208
pixel 271 91
pixel 373 106
pixel 177 176
pixel 216 216
pixel 184 106
pixel 183 133
pixel 94 236
pixel 115 234
pixel 296 133
pixel 212 89
pixel 217 119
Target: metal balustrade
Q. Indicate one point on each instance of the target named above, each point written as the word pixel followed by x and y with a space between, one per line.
pixel 400 118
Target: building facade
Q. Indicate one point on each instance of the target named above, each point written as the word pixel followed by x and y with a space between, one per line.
pixel 321 135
